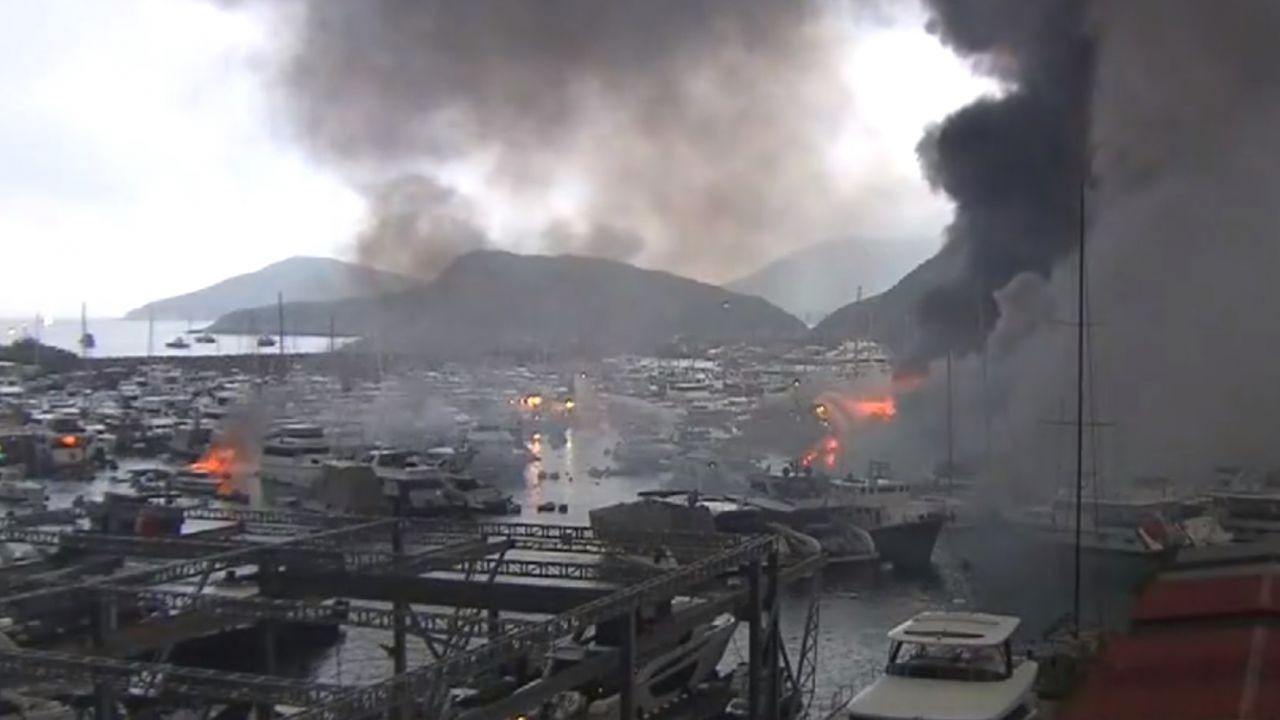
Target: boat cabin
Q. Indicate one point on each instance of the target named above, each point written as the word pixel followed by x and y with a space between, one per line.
pixel 953 646
pixel 951 665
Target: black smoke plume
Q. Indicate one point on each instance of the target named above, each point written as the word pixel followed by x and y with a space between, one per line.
pixel 1013 164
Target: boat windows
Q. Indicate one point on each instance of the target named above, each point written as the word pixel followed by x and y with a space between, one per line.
pixel 978 663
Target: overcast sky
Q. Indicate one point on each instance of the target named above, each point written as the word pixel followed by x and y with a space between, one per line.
pixel 140 156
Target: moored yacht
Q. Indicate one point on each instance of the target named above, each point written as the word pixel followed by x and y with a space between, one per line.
pixel 904 532
pixel 65 445
pixel 1123 525
pixel 14 489
pixel 294 454
pixel 1246 503
pixel 662 674
pixel 951 666
pixel 434 483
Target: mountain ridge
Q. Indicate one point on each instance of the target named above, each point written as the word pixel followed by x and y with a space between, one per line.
pixel 494 301
pixel 816 280
pixel 298 278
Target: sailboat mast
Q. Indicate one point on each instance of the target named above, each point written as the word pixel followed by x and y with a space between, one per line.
pixel 950 431
pixel 280 319
pixel 1080 358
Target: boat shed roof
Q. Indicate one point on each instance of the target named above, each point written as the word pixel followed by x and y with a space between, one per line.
pixel 1204 673
pixel 956 628
pixel 1250 595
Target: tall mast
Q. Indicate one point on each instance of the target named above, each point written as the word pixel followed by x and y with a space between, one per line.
pixel 1084 88
pixel 1080 358
pixel 280 319
pixel 950 431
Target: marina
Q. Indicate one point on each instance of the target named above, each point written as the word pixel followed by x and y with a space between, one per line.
pixel 696 360
pixel 179 466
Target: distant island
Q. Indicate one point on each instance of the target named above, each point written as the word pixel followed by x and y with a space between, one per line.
pixel 814 281
pixel 297 278
pixel 499 302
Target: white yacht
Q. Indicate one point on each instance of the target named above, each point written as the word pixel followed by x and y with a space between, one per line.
pixel 294 454
pixel 433 483
pixel 660 677
pixel 498 452
pixel 1129 525
pixel 15 490
pixel 951 666
pixel 65 444
pixel 1247 503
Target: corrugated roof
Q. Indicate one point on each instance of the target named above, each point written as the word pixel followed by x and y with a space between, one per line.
pixel 1190 674
pixel 1251 595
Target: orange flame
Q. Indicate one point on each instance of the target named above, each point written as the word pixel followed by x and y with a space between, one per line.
pixel 882 409
pixel 219 461
pixel 68 441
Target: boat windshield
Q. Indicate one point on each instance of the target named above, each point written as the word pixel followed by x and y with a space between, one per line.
pixel 974 663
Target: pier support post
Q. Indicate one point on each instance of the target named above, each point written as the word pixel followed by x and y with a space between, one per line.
pixel 494 623
pixel 754 608
pixel 627 668
pixel 104 624
pixel 269 635
pixel 403 707
pixel 773 708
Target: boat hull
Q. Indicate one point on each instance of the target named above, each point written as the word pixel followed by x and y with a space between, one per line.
pixel 908 546
pixel 1015 569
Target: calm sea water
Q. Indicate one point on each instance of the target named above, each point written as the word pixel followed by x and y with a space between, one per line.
pixel 139 338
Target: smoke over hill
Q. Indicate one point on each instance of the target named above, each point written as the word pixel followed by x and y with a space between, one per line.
pixel 1183 256
pixel 695 137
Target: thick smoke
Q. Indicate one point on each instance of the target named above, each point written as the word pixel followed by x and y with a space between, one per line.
pixel 691 136
pixel 416 226
pixel 1183 262
pixel 1013 164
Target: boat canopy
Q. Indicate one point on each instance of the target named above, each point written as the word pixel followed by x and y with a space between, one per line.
pixel 956 628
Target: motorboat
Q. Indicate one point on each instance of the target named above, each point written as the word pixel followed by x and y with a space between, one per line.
pixel 205 338
pixel 1246 503
pixel 904 532
pixel 178 343
pixel 151 515
pixel 689 512
pixel 496 451
pixel 15 490
pixel 662 674
pixel 266 341
pixel 64 444
pixel 294 454
pixel 951 666
pixel 1123 525
pixel 433 483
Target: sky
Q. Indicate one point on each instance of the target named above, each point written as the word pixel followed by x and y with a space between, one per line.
pixel 141 155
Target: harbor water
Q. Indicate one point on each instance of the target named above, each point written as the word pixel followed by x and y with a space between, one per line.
pixel 114 337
